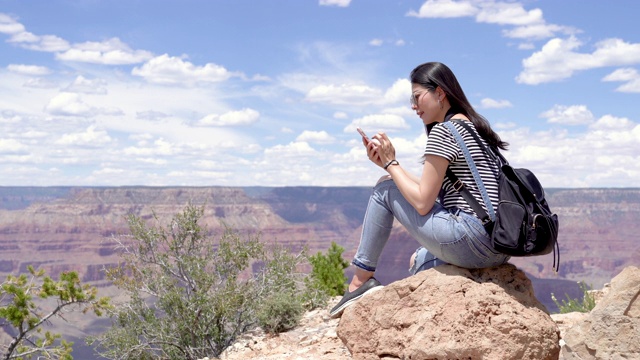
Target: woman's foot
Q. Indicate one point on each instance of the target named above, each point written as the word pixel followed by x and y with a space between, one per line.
pixel 351 297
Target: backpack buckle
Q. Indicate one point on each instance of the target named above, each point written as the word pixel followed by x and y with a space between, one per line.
pixel 458 185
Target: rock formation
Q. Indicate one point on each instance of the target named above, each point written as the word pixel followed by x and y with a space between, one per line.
pixel 612 329
pixel 452 313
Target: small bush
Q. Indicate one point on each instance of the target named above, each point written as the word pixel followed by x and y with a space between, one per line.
pixel 327 275
pixel 587 303
pixel 280 312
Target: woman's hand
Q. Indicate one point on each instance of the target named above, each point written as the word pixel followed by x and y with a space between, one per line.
pixel 380 150
pixel 372 151
pixel 384 149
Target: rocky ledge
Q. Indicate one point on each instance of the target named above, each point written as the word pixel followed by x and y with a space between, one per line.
pixel 459 313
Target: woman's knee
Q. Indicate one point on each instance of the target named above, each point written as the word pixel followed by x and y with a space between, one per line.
pixel 383 178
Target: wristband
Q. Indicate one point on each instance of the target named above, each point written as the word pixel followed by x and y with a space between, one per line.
pixel 392 162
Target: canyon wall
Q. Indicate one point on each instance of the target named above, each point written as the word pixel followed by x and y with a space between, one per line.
pixel 71 228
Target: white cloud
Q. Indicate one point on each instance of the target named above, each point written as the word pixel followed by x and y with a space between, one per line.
pixel 8 25
pixel 71 104
pixel 558 60
pixel 318 137
pixel 376 42
pixel 39 83
pixel 68 104
pixel 343 94
pixel 159 147
pixel 569 115
pixel 610 122
pixel 151 115
pixel 291 150
pixel 91 138
pixel 165 69
pixel 504 13
pixel 603 155
pixel 445 9
pixel 87 86
pixel 525 24
pixel 340 115
pixel 339 3
pixel 46 43
pixel 629 76
pixel 28 69
pixel 231 118
pixel 488 103
pixel 537 31
pixel 109 52
pixel 11 146
pixel 359 94
pixel 378 122
pixel 399 92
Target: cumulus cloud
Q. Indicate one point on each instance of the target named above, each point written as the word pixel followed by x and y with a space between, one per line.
pixel 340 115
pixel 159 147
pixel 525 24
pixel 165 69
pixel 28 69
pixel 9 25
pixel 537 32
pixel 39 83
pixel 291 150
pixel 151 115
pixel 45 43
pixel 398 92
pixel 12 146
pixel 378 122
pixel 231 118
pixel 376 42
pixel 342 94
pixel 339 3
pixel 318 137
pixel 92 137
pixel 604 154
pixel 569 115
pixel 488 103
pixel 628 76
pixel 87 86
pixel 71 104
pixel 359 94
pixel 558 59
pixel 108 52
pixel 445 9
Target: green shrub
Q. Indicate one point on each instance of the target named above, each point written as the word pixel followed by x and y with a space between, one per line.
pixel 327 274
pixel 29 302
pixel 281 311
pixel 587 303
pixel 189 296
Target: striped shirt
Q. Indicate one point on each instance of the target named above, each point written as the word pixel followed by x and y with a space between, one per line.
pixel 442 143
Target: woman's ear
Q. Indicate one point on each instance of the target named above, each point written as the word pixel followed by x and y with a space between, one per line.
pixel 440 94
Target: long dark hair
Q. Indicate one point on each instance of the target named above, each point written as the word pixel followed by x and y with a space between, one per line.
pixel 433 74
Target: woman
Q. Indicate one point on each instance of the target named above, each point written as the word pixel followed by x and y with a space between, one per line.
pixel 448 230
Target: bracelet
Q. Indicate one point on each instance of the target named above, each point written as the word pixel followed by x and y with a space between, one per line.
pixel 392 162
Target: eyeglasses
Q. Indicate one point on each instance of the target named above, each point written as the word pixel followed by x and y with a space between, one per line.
pixel 415 97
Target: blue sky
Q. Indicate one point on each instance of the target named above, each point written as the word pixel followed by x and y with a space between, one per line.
pixel 269 93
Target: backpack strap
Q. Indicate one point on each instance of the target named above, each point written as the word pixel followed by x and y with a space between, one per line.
pixel 459 186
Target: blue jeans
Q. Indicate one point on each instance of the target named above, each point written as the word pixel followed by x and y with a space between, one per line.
pixel 446 235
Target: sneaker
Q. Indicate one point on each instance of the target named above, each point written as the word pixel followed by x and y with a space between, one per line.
pixel 351 297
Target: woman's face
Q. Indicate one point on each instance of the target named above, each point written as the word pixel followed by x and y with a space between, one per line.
pixel 425 103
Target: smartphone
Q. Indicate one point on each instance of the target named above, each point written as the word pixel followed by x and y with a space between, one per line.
pixel 364 136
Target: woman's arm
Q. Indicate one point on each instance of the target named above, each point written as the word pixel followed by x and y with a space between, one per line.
pixel 420 193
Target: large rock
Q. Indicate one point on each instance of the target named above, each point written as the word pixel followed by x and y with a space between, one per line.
pixel 612 329
pixel 452 313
